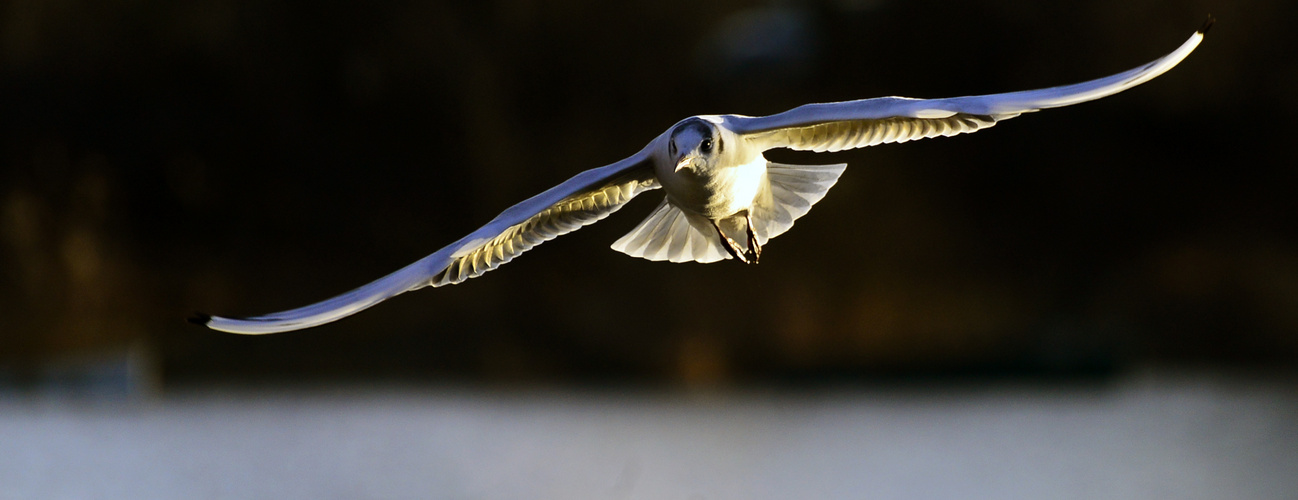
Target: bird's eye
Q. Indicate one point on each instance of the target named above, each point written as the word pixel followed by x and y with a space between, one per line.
pixel 706 145
pixel 671 148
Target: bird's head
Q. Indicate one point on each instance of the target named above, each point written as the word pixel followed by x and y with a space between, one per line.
pixel 693 144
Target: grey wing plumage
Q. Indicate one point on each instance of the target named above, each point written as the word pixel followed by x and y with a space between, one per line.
pixel 867 122
pixel 568 215
pixel 581 200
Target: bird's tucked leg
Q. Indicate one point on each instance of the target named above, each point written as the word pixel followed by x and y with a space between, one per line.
pixel 754 248
pixel 752 252
pixel 732 246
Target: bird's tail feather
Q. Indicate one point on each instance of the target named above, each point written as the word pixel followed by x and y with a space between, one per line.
pixel 674 235
pixel 671 234
pixel 788 194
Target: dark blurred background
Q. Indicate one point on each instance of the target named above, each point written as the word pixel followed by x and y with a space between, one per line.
pixel 234 157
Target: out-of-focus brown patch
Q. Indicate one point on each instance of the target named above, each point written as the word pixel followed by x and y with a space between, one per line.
pixel 701 361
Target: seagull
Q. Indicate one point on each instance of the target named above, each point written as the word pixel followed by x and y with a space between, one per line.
pixel 724 199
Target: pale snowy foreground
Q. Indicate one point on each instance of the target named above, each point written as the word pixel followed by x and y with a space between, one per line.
pixel 1158 435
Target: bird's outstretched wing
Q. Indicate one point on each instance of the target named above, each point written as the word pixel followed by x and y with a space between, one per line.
pixel 581 200
pixel 867 122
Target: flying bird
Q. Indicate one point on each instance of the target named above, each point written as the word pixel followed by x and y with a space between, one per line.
pixel 724 199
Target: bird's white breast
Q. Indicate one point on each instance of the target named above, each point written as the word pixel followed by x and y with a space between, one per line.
pixel 733 188
pixel 715 193
pixel 725 186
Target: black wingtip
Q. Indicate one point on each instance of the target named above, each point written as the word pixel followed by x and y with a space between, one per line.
pixel 1203 30
pixel 200 319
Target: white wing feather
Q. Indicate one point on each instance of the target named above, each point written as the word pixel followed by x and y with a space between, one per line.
pixel 581 200
pixel 866 122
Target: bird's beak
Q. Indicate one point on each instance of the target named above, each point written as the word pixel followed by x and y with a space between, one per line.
pixel 687 161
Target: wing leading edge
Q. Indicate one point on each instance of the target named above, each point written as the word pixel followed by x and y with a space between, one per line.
pixel 579 201
pixel 866 122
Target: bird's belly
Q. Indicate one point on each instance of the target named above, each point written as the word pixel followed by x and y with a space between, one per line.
pixel 716 193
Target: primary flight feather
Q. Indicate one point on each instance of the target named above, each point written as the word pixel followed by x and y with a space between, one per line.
pixel 723 198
